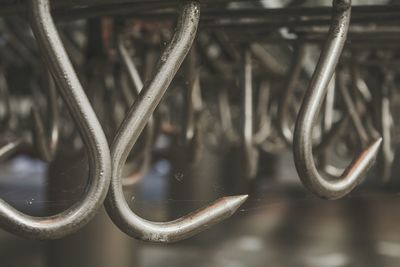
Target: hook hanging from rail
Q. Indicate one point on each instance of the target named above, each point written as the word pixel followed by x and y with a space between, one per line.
pixel 81 213
pixel 310 108
pixel 129 132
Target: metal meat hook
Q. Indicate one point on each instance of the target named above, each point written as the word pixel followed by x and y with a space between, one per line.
pixel 285 128
pixel 46 141
pixel 131 128
pixel 10 148
pixel 309 111
pixel 81 213
pixel 250 151
pixel 136 80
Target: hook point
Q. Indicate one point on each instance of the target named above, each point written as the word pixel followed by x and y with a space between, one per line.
pixel 233 203
pixel 375 146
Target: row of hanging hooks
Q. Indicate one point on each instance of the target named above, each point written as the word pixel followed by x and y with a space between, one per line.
pixel 310 112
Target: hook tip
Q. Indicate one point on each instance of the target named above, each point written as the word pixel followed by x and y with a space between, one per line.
pixel 375 146
pixel 234 202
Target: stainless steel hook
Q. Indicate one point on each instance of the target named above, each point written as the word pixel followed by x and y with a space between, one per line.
pixel 225 112
pixel 140 112
pixel 309 112
pixel 385 121
pixel 192 108
pixel 46 143
pixel 193 100
pixel 135 78
pixel 352 111
pixel 11 148
pixel 80 214
pixel 264 120
pixel 250 152
pixel 285 128
pixel 5 98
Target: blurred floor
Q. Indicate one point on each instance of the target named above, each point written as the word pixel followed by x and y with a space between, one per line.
pixel 280 225
pixel 303 231
pixel 272 230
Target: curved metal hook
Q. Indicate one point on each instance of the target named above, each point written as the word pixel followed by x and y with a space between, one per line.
pixel 333 132
pixel 46 143
pixel 5 98
pixel 193 98
pixel 264 120
pixel 129 132
pixel 250 152
pixel 11 148
pixel 310 108
pixel 138 84
pixel 385 121
pixel 292 82
pixel 80 214
pixel 361 87
pixel 225 113
pixel 193 105
pixel 388 154
pixel 328 115
pixel 329 106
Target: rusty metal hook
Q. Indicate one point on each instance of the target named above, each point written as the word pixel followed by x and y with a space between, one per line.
pixel 131 128
pixel 310 108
